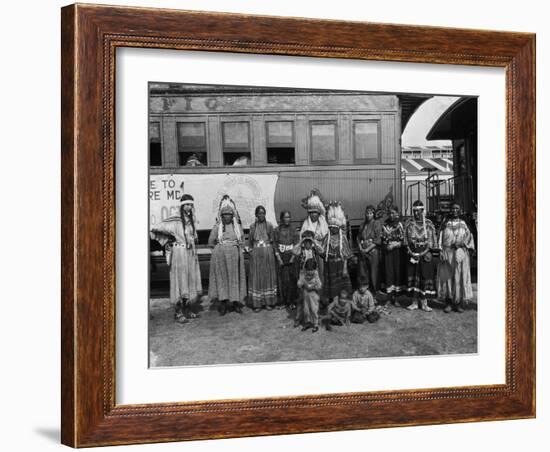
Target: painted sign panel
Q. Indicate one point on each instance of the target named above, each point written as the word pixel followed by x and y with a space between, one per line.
pixel 247 190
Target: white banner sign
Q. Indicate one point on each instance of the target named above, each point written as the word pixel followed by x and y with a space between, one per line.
pixel 247 190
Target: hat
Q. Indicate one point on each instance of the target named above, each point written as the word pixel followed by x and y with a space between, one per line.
pixel 313 202
pixel 194 160
pixel 187 199
pixel 227 206
pixel 308 235
pixel 335 215
pixel 225 210
pixel 418 205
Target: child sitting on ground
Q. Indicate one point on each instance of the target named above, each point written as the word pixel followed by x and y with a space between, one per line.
pixel 308 308
pixel 363 306
pixel 339 311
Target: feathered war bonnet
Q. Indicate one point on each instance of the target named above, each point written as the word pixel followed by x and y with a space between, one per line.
pixel 227 206
pixel 314 202
pixel 336 217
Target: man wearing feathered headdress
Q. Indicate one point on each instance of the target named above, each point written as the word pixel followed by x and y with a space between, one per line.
pixel 178 235
pixel 227 282
pixel 315 221
pixel 336 252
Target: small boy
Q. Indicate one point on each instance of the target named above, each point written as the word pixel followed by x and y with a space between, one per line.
pixel 363 306
pixel 339 311
pixel 308 249
pixel 308 308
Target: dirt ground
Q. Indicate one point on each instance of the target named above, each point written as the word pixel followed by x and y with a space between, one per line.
pixel 269 336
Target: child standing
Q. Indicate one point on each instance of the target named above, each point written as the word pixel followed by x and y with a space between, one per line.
pixel 308 249
pixel 310 285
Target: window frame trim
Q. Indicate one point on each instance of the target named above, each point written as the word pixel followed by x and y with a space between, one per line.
pixel 157 121
pixel 192 150
pixel 367 161
pixel 312 160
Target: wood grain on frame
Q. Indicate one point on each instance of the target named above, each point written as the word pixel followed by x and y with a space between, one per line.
pixel 90 36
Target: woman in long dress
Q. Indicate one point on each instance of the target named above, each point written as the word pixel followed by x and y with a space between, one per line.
pixel 421 242
pixel 369 240
pixel 285 240
pixel 392 241
pixel 454 280
pixel 227 282
pixel 179 236
pixel 262 283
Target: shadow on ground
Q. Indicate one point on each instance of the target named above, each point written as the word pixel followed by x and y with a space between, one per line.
pixel 269 336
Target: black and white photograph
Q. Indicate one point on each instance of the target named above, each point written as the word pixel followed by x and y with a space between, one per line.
pixel 237 225
pixel 298 224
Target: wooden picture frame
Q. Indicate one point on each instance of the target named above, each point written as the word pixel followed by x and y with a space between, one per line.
pixel 90 36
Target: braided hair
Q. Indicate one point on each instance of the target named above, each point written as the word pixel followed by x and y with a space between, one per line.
pixel 187 217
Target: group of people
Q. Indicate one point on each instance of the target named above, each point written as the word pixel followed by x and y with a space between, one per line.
pixel 308 270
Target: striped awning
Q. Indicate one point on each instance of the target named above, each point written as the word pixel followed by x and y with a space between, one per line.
pixel 420 165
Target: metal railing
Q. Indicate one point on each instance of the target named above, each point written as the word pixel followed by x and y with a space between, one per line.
pixel 437 193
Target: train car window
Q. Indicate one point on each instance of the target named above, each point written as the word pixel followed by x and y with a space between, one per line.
pixel 280 142
pixel 155 149
pixel 236 143
pixel 366 141
pixel 192 144
pixel 323 141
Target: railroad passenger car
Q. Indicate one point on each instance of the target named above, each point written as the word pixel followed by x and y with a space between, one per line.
pixel 272 146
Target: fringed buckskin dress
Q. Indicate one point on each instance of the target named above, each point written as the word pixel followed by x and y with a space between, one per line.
pixel 454 282
pixel 185 274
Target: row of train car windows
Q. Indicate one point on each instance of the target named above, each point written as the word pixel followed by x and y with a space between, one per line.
pixel 280 142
